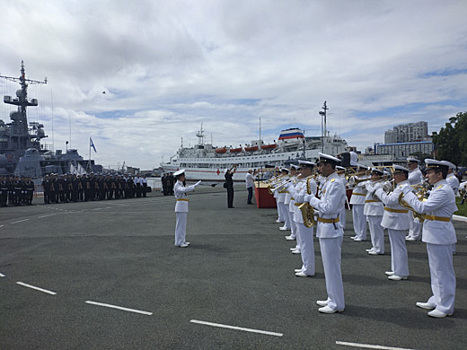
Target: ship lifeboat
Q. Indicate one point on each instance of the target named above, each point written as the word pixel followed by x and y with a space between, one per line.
pixel 235 150
pixel 270 146
pixel 251 149
pixel 221 150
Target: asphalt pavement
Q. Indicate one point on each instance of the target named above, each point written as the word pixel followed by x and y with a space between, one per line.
pixel 106 275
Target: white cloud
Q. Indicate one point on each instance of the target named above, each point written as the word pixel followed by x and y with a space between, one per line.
pixel 168 66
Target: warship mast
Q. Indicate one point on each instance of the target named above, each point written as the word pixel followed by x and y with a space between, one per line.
pixel 20 139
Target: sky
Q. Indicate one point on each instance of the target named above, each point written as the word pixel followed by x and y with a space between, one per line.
pixel 169 66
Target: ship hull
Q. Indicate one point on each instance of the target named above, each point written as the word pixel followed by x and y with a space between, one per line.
pixel 214 169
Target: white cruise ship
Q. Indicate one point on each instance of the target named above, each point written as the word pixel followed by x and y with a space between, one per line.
pixel 206 162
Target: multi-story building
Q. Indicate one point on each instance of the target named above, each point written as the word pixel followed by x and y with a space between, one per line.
pixel 404 149
pixel 410 132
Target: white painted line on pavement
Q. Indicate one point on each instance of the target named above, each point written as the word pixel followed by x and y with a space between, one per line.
pixel 17 222
pixel 2 225
pixel 118 308
pixel 2 275
pixel 369 346
pixel 46 216
pixel 237 328
pixel 36 288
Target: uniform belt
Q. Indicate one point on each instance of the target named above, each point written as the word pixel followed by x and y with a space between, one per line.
pixel 436 218
pixel 396 210
pixel 284 191
pixel 292 198
pixel 298 204
pixel 359 194
pixel 182 199
pixel 372 201
pixel 328 221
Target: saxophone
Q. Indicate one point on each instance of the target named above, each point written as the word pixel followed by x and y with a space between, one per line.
pixel 306 209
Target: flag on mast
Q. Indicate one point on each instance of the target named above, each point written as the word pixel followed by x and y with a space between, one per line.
pixel 92 144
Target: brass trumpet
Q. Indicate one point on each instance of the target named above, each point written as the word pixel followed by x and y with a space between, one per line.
pixel 282 184
pixel 421 191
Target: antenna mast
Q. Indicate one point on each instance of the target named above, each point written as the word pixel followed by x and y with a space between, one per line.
pixel 324 132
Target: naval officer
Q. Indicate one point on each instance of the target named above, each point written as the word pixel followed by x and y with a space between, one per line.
pixel 439 235
pixel 304 234
pixel 396 219
pixel 452 179
pixel 415 178
pixel 374 210
pixel 181 208
pixel 357 201
pixel 330 232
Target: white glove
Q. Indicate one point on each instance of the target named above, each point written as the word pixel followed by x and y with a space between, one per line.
pixel 197 184
pixel 307 197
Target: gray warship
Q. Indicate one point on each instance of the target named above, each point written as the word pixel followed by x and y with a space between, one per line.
pixel 21 151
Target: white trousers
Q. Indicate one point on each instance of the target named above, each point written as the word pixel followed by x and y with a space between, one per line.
pixel 280 213
pixel 342 217
pixel 180 228
pixel 415 229
pixel 291 222
pixel 376 233
pixel 443 278
pixel 307 248
pixel 331 256
pixel 359 221
pixel 284 210
pixel 399 256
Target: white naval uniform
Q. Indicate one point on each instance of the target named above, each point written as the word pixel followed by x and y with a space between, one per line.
pixel 290 201
pixel 330 236
pixel 342 214
pixel 357 200
pixel 439 236
pixel 374 210
pixel 279 213
pixel 181 211
pixel 285 209
pixel 415 178
pixel 396 219
pixel 453 181
pixel 304 234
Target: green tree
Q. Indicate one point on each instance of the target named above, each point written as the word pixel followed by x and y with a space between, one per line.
pixel 451 141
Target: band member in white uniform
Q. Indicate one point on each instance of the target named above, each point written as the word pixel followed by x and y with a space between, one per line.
pixel 415 178
pixel 396 219
pixel 357 201
pixel 304 234
pixel 290 201
pixel 342 215
pixel 330 232
pixel 374 210
pixel 181 208
pixel 439 236
pixel 451 179
pixel 283 208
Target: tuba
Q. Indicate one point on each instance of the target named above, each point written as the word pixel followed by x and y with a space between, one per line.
pixel 306 209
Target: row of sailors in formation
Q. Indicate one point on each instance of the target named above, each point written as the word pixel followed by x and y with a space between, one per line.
pixel 16 191
pixel 377 203
pixel 79 188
